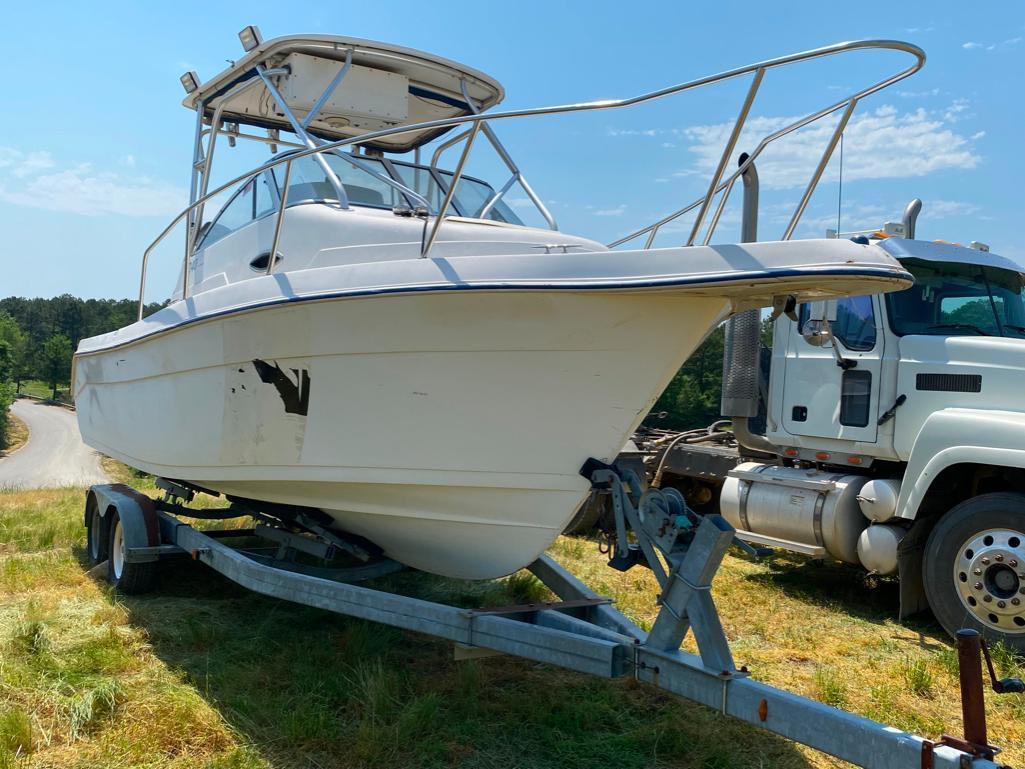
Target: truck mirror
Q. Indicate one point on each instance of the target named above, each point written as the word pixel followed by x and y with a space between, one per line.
pixel 816 332
pixel 816 329
pixel 823 311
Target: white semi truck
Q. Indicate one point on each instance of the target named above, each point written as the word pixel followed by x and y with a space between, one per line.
pixel 893 438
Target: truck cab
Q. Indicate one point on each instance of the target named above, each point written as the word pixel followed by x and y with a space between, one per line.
pixel 895 429
pixel 884 431
pixel 859 378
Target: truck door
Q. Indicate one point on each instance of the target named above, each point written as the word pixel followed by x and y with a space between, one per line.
pixel 823 399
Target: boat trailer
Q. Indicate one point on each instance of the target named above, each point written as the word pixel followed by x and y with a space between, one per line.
pixel 582 631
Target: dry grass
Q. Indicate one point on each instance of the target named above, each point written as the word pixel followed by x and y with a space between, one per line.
pixel 17 434
pixel 204 674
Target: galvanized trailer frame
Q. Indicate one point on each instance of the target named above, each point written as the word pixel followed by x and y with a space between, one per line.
pixel 582 631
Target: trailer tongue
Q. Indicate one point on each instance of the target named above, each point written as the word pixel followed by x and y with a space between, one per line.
pixel 582 631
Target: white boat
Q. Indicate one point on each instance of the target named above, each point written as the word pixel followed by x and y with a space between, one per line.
pixel 433 389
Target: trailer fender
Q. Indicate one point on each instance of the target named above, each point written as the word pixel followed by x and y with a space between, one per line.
pixel 137 513
pixel 957 436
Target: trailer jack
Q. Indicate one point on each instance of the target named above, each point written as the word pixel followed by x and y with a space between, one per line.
pixel 581 631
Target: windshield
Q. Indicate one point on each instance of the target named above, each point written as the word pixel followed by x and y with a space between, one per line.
pixel 309 183
pixel 959 299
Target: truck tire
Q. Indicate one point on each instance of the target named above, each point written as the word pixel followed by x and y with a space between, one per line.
pixel 974 568
pixel 128 578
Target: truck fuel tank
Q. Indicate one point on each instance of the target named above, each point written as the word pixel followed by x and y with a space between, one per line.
pixel 806 506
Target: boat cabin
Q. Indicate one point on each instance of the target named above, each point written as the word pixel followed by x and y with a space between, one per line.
pixel 357 200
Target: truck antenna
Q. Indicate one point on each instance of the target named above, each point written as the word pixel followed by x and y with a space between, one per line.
pixel 839 189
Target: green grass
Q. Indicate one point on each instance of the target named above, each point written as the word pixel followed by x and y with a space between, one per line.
pixel 41 389
pixel 202 673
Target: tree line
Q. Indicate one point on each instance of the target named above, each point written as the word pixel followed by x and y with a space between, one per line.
pixel 691 399
pixel 39 336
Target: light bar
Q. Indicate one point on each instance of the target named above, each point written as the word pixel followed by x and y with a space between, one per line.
pixel 250 37
pixel 190 81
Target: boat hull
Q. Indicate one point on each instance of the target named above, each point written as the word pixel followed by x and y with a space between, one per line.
pixel 448 428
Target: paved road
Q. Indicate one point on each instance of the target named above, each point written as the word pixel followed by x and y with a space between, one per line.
pixel 54 454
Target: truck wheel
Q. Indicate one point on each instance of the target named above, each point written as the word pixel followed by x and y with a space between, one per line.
pixel 128 578
pixel 974 568
pixel 96 543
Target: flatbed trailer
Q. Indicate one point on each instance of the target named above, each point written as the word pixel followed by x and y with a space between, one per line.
pixel 582 631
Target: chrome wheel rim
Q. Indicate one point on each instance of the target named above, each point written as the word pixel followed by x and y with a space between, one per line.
pixel 118 548
pixel 989 574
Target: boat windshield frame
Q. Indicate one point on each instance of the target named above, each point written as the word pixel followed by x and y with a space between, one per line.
pixel 308 145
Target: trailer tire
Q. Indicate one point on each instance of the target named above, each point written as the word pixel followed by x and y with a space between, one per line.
pixel 96 534
pixel 127 577
pixel 963 589
pixel 589 515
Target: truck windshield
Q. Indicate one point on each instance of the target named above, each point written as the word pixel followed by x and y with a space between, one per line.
pixel 959 299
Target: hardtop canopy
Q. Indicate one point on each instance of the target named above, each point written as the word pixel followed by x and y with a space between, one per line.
pixel 386 86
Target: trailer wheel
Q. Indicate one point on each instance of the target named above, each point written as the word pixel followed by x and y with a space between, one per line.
pixel 974 569
pixel 589 515
pixel 129 578
pixel 96 542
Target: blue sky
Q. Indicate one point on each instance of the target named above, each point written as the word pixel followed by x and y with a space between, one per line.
pixel 95 146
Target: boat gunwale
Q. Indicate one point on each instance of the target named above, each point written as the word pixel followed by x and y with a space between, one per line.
pixel 539 286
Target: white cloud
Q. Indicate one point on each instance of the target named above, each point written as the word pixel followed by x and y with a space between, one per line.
pixel 881 144
pixel 1011 42
pixel 519 202
pixel 617 211
pixel 919 94
pixel 633 132
pixel 958 110
pixel 81 189
pixel 20 164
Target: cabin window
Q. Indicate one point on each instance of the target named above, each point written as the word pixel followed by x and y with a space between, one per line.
pixel 309 182
pixel 472 195
pixel 365 189
pixel 422 181
pixel 855 397
pixel 265 201
pixel 235 215
pixel 855 324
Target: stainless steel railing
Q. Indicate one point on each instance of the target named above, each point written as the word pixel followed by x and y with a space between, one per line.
pixel 478 122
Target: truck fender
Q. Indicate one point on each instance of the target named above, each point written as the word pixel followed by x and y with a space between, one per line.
pixel 958 436
pixel 137 512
